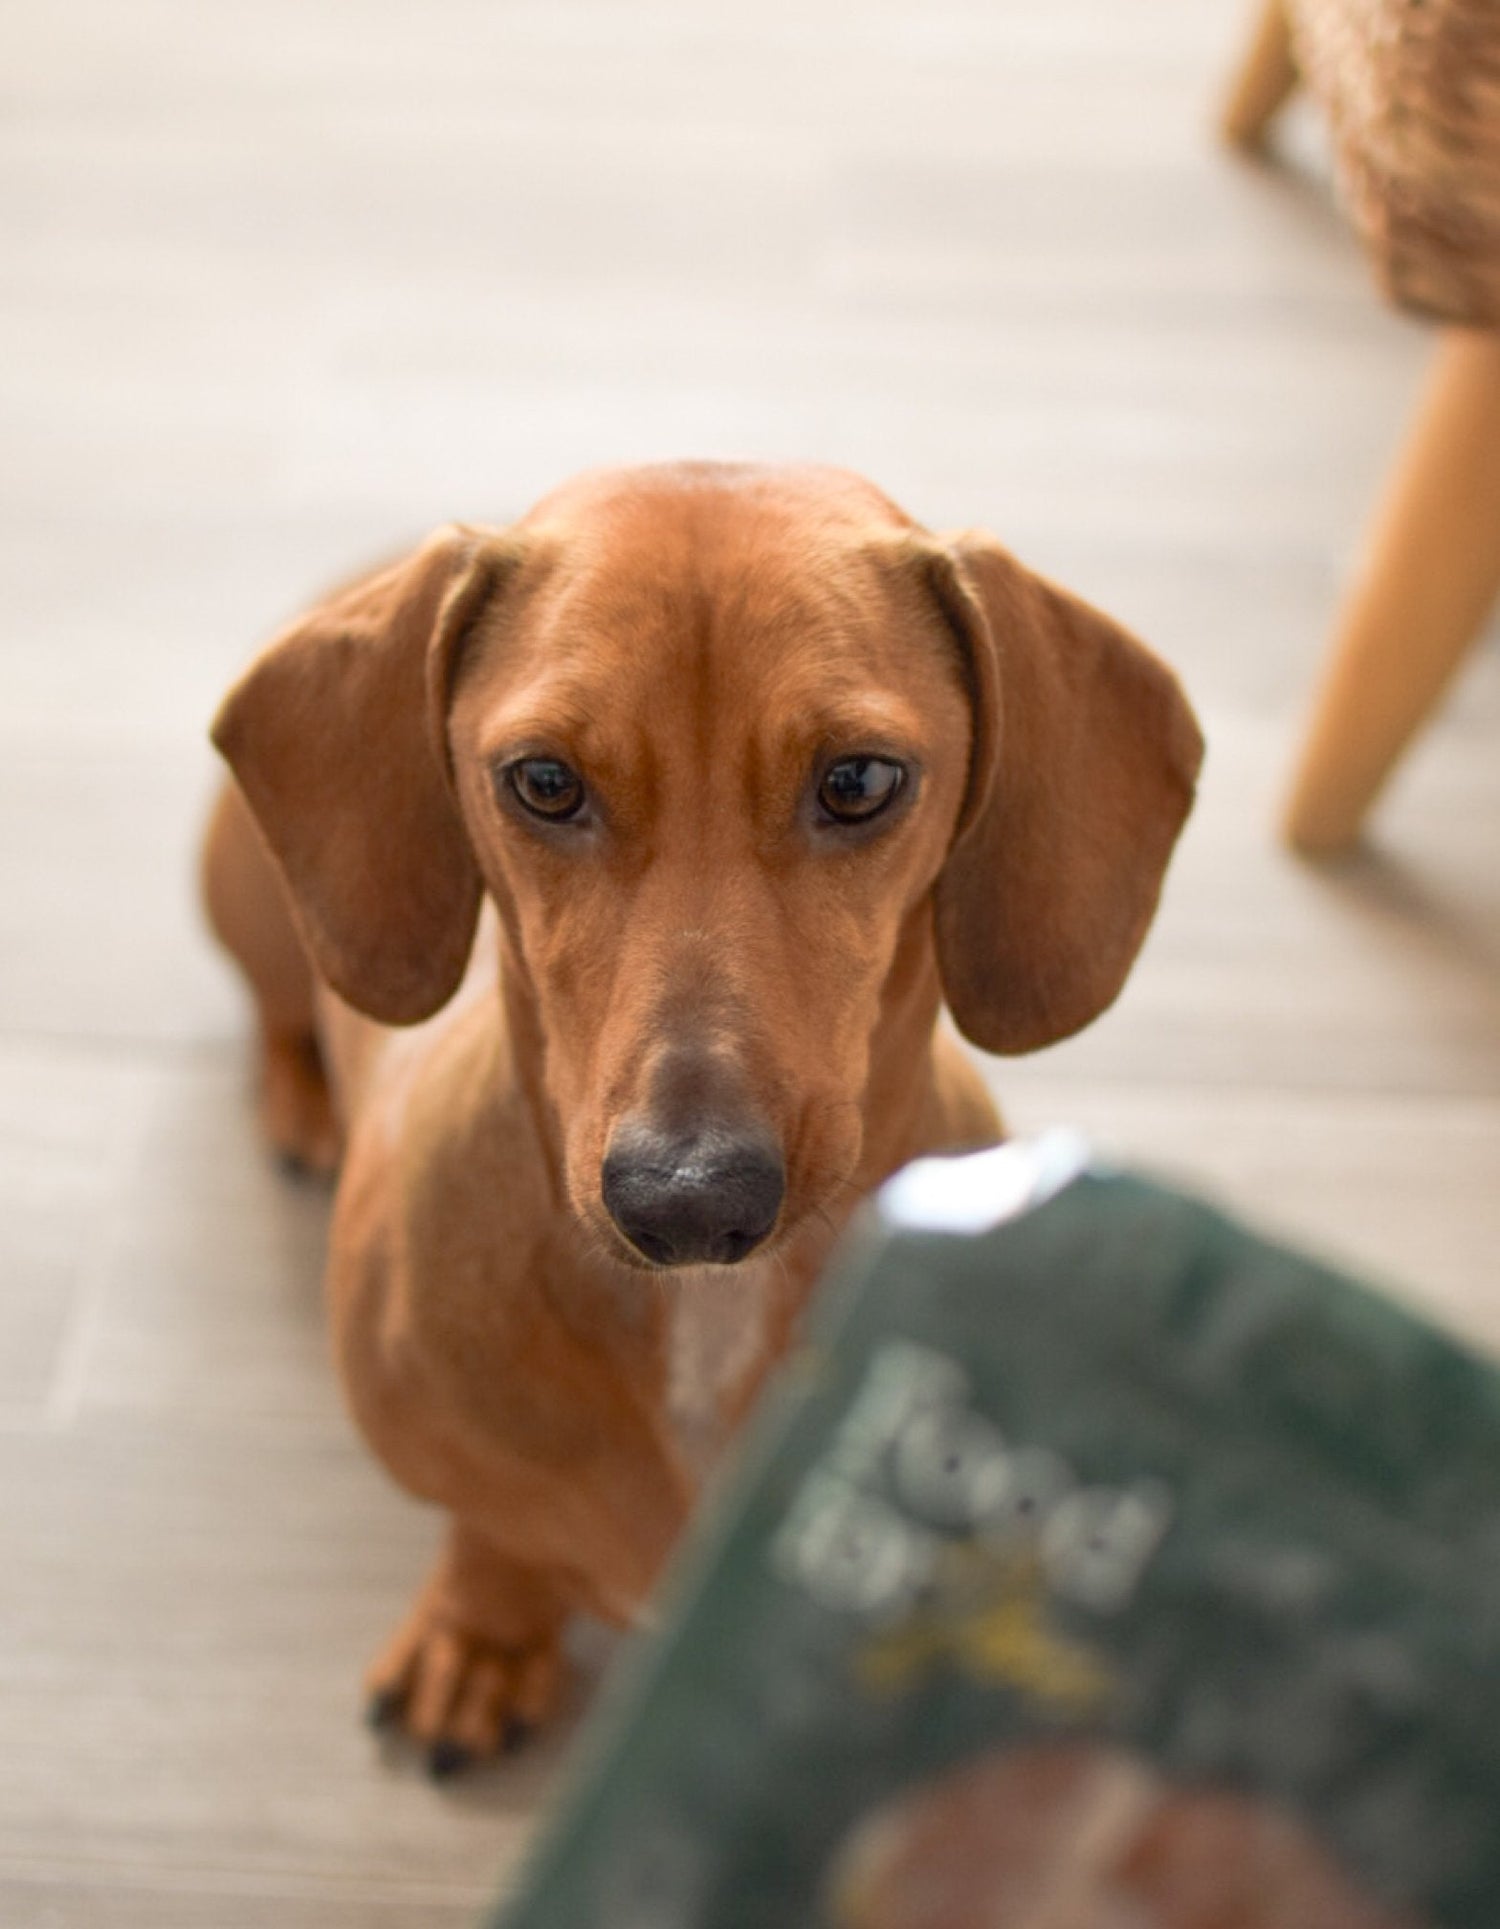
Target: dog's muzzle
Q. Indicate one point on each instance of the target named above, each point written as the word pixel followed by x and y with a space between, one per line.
pixel 705 1198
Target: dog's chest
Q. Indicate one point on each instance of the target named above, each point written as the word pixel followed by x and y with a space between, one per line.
pixel 718 1335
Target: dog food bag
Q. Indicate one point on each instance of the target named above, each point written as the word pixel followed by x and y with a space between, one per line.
pixel 1095 1565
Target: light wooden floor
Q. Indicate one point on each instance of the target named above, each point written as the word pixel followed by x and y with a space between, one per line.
pixel 280 286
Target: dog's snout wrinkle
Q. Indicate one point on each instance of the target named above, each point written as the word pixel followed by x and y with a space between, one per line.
pixel 704 1197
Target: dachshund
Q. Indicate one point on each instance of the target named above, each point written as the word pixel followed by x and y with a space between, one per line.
pixel 599 881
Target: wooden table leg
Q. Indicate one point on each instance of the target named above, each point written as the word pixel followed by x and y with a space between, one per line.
pixel 1427 585
pixel 1266 76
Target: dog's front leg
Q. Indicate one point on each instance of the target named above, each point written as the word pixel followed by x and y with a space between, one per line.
pixel 478 1661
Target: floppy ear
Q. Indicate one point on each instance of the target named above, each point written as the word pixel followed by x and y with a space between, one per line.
pixel 1084 762
pixel 337 737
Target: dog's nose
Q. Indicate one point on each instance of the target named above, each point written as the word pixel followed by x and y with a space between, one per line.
pixel 696 1199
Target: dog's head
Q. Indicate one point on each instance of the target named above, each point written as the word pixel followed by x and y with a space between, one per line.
pixel 750 764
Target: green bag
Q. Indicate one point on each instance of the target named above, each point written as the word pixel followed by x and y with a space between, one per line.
pixel 1095 1564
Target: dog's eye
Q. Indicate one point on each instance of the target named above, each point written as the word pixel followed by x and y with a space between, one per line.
pixel 547 788
pixel 858 788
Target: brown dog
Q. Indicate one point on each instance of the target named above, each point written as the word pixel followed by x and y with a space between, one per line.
pixel 754 772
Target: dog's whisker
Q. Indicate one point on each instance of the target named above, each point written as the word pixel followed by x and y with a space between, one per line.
pixel 823 1103
pixel 827 1217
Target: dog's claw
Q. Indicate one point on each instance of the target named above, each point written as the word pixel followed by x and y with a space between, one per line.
pixel 445 1759
pixel 383 1708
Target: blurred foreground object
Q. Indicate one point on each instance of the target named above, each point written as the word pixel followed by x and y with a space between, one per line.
pixel 1412 90
pixel 1095 1564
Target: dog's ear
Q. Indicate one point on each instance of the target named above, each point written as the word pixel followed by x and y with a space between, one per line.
pixel 1084 760
pixel 337 735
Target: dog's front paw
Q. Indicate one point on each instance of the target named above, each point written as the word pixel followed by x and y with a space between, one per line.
pixel 461 1695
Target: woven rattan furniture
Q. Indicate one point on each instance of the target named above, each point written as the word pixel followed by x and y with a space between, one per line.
pixel 1412 91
